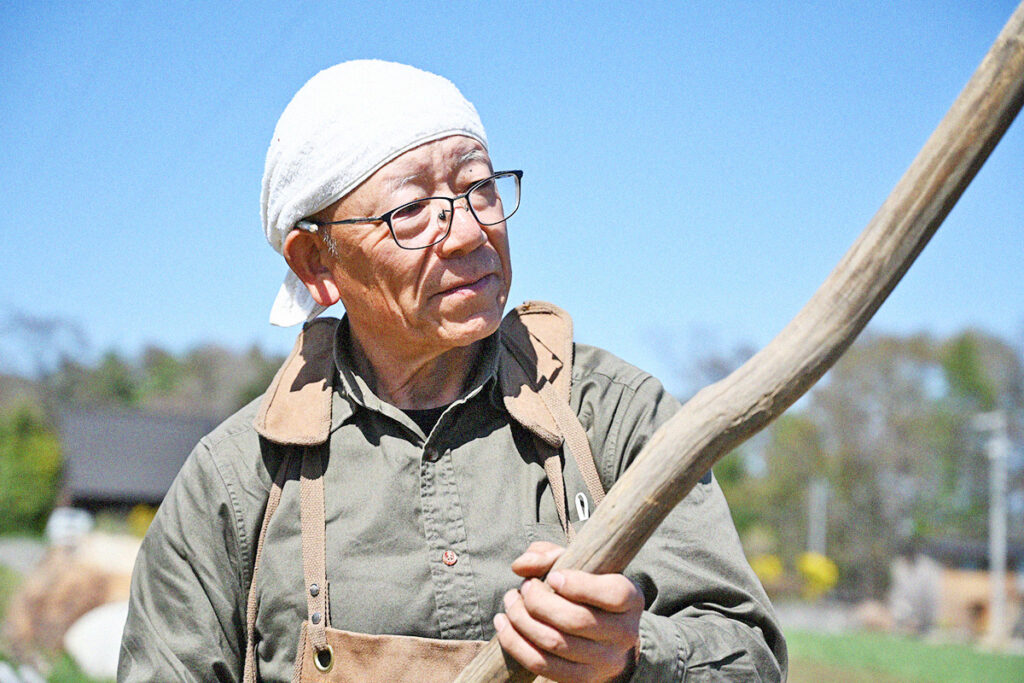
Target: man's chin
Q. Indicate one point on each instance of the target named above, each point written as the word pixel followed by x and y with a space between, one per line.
pixel 473 326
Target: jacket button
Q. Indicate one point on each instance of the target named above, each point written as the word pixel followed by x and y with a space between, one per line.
pixel 315 618
pixel 431 454
pixel 449 557
pixel 314 590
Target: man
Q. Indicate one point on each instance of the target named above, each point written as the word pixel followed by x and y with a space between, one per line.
pixel 367 518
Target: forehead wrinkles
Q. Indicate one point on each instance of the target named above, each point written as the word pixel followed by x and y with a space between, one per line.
pixel 429 169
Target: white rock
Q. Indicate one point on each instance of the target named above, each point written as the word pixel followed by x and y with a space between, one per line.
pixel 7 674
pixel 66 525
pixel 94 641
pixel 24 674
pixel 30 675
pixel 113 553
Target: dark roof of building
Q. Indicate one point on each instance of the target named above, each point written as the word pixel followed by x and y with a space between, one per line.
pixel 125 456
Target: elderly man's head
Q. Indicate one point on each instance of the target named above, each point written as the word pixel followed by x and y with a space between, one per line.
pixel 359 141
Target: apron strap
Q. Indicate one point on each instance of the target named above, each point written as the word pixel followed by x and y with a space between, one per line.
pixel 576 439
pixel 553 470
pixel 314 546
pixel 249 673
pixel 313 519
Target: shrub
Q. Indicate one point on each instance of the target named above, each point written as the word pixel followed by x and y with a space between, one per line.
pixel 30 469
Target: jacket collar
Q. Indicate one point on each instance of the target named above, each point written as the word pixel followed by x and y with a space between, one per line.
pixel 317 389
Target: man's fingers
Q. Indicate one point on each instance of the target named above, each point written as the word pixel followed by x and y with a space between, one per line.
pixel 571 618
pixel 581 627
pixel 546 664
pixel 609 592
pixel 546 638
pixel 536 660
pixel 537 559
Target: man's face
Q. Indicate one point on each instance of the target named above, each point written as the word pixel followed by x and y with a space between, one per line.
pixel 425 300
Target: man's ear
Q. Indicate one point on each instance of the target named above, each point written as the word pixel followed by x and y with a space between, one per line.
pixel 305 256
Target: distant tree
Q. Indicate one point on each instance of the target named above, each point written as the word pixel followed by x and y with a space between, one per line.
pixel 162 373
pixel 114 382
pixel 794 457
pixel 889 430
pixel 879 411
pixel 30 469
pixel 968 380
pixel 983 372
pixel 262 369
pixel 208 380
pixel 741 490
pixel 37 343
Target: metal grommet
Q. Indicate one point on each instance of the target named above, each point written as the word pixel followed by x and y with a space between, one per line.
pixel 314 590
pixel 315 618
pixel 324 659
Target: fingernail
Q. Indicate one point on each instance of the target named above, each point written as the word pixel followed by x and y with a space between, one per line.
pixel 526 587
pixel 532 558
pixel 509 599
pixel 500 622
pixel 556 579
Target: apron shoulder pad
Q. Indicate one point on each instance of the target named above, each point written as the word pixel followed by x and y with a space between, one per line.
pixel 296 408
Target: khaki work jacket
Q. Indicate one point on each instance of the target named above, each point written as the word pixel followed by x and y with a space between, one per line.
pixel 421 530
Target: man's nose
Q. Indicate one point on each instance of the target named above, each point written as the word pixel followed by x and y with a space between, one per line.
pixel 465 234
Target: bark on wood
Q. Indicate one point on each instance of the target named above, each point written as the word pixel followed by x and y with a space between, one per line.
pixel 723 415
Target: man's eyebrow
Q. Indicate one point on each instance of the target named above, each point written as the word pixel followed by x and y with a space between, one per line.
pixel 474 154
pixel 396 184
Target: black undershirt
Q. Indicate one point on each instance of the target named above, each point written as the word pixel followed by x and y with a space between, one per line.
pixel 426 419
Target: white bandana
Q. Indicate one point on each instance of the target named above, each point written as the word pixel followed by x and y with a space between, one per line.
pixel 344 124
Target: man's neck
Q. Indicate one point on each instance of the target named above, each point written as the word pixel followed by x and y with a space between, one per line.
pixel 414 381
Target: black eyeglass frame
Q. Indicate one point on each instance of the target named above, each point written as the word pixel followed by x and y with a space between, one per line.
pixel 312 226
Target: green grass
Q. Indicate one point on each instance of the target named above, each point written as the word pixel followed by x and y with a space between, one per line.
pixel 66 671
pixel 858 657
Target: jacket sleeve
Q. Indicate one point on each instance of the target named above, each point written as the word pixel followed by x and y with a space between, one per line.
pixel 186 616
pixel 707 616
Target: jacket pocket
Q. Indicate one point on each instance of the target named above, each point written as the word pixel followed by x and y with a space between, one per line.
pixel 542 531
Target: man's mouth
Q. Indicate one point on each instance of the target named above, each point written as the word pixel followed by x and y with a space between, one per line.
pixel 470 286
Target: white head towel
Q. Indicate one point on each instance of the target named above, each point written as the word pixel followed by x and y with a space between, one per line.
pixel 344 124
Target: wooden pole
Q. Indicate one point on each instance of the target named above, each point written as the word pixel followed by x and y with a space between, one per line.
pixel 723 415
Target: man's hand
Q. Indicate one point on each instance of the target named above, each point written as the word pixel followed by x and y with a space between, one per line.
pixel 575 627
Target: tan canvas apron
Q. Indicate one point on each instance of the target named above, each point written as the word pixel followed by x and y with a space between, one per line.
pixel 328 655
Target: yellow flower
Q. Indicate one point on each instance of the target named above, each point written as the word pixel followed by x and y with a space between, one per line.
pixel 819 573
pixel 768 568
pixel 139 519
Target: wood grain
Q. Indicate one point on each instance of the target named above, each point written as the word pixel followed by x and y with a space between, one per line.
pixel 723 415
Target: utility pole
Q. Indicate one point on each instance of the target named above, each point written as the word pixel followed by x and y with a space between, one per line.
pixel 817 515
pixel 997 447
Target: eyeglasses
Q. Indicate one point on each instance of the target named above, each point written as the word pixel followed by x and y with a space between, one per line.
pixel 425 222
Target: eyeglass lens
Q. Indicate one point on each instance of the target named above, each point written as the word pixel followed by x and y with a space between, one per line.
pixel 426 222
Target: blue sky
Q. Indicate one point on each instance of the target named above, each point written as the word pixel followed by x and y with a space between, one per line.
pixel 692 170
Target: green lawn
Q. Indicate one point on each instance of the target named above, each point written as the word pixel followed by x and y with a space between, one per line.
pixel 857 657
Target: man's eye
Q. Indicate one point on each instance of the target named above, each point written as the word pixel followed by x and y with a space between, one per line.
pixel 487 189
pixel 409 211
